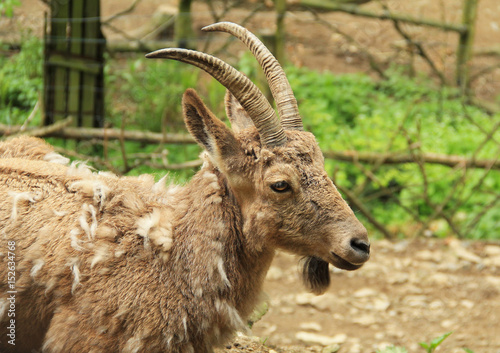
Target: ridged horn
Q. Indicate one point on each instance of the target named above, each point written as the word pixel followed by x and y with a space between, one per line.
pixel 278 83
pixel 250 97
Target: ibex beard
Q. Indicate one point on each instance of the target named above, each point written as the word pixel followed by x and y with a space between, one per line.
pixel 124 264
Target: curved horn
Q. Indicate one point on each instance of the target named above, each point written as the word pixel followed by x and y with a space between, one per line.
pixel 258 108
pixel 276 77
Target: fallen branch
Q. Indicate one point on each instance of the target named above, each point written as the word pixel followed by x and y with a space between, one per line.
pixel 60 130
pixel 40 131
pixel 398 158
pixel 100 134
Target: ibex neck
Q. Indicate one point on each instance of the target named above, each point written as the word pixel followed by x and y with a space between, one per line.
pixel 214 247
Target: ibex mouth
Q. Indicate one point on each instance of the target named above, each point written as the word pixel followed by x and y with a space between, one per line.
pixel 339 262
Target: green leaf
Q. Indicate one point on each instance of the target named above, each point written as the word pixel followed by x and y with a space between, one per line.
pixel 430 347
pixel 437 341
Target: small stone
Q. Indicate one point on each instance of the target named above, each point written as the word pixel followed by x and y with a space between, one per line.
pixel 492 250
pixel 415 300
pixel 447 324
pixel 462 253
pixel 492 261
pixel 314 338
pixel 355 348
pixel 436 304
pixel 322 302
pixel 398 278
pixel 365 292
pixel 287 310
pixel 467 304
pixel 381 304
pixel 427 255
pixel 439 279
pixel 365 320
pixel 311 326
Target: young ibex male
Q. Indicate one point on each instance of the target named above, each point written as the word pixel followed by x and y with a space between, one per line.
pixel 92 262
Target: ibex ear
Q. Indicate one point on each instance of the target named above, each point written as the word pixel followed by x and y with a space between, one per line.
pixel 210 133
pixel 237 115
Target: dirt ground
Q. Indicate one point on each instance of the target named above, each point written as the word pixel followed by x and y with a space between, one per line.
pixel 411 290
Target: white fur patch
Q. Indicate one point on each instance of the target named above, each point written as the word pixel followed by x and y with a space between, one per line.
pixel 89 228
pixel 119 253
pixel 60 213
pixel 101 254
pixel 54 157
pixel 222 272
pixel 150 228
pixel 231 314
pixel 21 197
pixel 73 263
pixel 79 168
pixel 160 187
pixel 91 187
pixel 184 323
pixel 37 265
pixel 75 242
pixel 106 232
pixel 133 345
pixel 101 191
pixel 85 187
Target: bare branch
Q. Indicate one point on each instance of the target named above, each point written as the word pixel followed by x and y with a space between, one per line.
pixel 420 49
pixel 40 131
pixel 60 130
pixel 356 202
pixel 402 158
pixel 374 65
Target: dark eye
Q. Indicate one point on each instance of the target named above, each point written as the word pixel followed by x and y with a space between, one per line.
pixel 280 186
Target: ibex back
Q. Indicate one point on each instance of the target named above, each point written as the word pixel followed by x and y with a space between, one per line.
pixel 100 263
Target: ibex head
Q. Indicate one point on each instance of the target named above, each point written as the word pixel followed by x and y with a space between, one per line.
pixel 274 168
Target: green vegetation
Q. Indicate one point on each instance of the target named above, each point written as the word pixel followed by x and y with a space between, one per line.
pixel 7 7
pixel 345 112
pixel 21 82
pixel 436 342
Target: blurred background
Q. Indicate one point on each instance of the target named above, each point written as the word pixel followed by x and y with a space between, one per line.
pixel 402 96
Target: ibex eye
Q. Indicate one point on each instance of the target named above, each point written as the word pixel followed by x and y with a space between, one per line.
pixel 280 186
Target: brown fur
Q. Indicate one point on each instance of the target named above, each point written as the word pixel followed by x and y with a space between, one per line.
pixel 123 264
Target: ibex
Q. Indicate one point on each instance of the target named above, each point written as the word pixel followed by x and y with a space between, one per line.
pixel 93 262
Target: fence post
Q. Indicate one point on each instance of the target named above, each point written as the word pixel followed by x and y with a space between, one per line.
pixel 279 48
pixel 465 43
pixel 74 63
pixel 183 30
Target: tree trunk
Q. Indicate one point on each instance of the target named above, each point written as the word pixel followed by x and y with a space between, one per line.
pixel 184 35
pixel 465 43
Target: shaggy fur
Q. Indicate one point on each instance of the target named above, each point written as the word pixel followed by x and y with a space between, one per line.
pixel 124 264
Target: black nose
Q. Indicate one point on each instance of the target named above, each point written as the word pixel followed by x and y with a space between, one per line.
pixel 361 246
